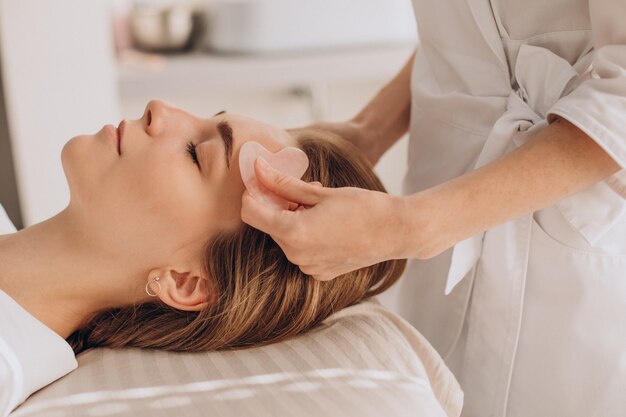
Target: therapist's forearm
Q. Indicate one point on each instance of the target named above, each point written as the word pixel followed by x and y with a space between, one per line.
pixel 556 162
pixel 386 117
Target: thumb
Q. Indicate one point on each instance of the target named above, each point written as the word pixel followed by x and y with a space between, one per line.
pixel 262 217
pixel 285 186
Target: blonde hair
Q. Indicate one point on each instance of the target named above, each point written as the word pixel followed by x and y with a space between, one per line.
pixel 262 297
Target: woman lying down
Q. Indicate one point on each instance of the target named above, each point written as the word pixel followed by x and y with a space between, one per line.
pixel 151 251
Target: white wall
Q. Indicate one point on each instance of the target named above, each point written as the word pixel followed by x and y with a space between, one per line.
pixel 59 75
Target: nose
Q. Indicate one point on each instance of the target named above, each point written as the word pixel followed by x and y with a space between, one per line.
pixel 152 119
pixel 160 116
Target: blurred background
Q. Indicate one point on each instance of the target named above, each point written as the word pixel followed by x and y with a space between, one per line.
pixel 67 67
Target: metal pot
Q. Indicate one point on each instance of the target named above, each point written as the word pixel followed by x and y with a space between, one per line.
pixel 155 28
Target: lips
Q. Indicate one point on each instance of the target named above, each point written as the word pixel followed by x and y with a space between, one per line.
pixel 116 134
pixel 112 133
pixel 120 135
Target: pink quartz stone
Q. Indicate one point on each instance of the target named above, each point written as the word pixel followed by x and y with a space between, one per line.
pixel 292 161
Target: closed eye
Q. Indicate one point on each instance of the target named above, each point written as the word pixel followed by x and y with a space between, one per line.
pixel 191 150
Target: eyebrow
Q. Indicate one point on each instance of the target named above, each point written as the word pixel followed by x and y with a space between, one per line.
pixel 226 133
pixel 219 112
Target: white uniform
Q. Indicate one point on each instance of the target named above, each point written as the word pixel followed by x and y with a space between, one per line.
pixel 31 354
pixel 537 323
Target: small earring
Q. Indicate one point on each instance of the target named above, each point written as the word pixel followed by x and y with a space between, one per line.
pixel 156 281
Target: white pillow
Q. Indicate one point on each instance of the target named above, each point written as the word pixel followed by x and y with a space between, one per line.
pixel 362 361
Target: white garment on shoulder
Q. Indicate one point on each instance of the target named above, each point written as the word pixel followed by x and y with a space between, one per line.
pixel 6 226
pixel 31 354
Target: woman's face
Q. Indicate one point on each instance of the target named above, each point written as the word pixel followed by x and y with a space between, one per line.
pixel 153 200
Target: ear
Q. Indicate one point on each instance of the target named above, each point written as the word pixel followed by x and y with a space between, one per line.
pixel 183 288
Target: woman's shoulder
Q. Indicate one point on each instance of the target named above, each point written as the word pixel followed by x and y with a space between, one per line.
pixel 32 355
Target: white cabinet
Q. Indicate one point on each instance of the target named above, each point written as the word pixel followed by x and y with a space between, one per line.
pixel 262 26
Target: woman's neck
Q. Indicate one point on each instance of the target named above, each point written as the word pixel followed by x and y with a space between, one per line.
pixel 53 270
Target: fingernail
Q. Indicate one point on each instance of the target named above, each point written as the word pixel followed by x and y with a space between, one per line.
pixel 262 163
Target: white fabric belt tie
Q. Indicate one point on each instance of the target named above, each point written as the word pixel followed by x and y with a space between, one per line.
pixel 543 78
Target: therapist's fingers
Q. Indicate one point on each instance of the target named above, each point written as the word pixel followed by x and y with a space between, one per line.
pixel 263 217
pixel 310 271
pixel 267 219
pixel 286 186
pixel 304 206
pixel 325 273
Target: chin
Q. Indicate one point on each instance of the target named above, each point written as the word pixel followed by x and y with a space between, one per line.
pixel 78 158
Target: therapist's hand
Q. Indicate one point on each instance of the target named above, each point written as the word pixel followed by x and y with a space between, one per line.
pixel 356 133
pixel 333 231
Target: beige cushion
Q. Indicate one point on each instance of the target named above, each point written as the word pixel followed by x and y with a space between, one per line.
pixel 364 360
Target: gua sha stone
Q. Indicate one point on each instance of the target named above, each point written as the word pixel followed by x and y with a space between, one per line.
pixel 292 161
